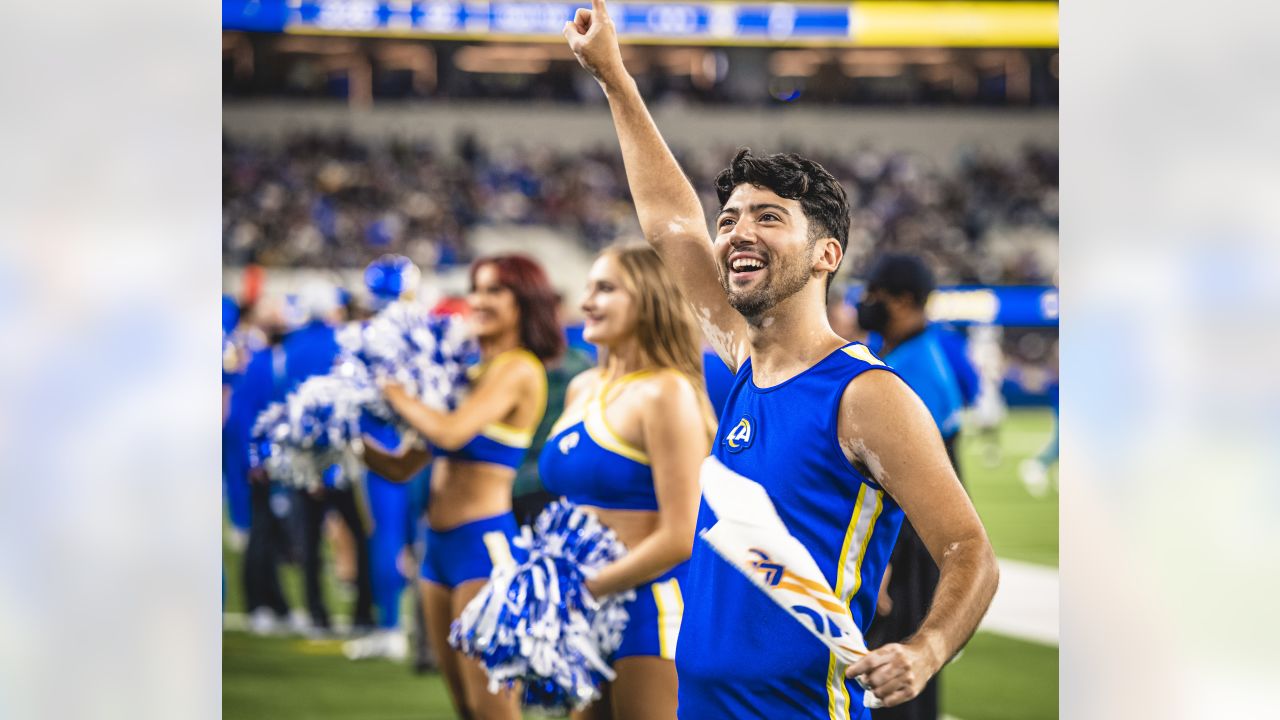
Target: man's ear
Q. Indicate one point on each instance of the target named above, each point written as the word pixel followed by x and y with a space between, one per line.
pixel 827 255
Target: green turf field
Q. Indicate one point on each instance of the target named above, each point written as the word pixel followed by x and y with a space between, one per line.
pixel 1021 527
pixel 996 678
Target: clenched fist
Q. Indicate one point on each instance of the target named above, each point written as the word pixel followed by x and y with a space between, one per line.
pixel 594 41
pixel 895 673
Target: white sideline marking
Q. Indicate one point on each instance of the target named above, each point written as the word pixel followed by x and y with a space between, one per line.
pixel 1026 604
pixel 1025 607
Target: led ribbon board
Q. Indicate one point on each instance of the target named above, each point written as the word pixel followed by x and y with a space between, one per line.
pixel 1013 305
pixel 869 23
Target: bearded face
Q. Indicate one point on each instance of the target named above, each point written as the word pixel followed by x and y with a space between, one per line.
pixel 764 250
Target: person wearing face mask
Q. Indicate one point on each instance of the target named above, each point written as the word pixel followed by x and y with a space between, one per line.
pixel 628 448
pixel 476 451
pixel 893 307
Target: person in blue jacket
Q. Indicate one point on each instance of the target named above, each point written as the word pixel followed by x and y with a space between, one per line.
pixel 303 345
pixel 310 349
pixel 893 307
pixel 236 351
pixel 261 382
pixel 388 279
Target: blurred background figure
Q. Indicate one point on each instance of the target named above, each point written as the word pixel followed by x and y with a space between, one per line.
pixel 393 522
pixel 236 351
pixel 1034 471
pixel 311 349
pixel 893 309
pixel 989 409
pixel 263 381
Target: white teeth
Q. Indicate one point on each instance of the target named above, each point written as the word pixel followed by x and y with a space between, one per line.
pixel 744 264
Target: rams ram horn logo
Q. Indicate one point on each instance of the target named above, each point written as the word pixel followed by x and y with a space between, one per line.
pixel 742 434
pixel 568 442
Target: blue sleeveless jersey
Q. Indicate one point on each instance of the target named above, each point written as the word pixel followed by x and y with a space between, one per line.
pixel 499 443
pixel 739 654
pixel 588 464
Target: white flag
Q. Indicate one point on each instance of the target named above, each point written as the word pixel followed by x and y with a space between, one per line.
pixel 751 536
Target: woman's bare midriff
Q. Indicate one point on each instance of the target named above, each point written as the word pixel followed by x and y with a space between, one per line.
pixel 463 492
pixel 631 526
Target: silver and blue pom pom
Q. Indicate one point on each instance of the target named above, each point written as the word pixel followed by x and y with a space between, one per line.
pixel 316 428
pixel 427 354
pixel 535 623
pixel 319 425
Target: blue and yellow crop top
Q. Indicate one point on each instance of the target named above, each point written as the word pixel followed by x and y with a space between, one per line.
pixel 587 463
pixel 498 443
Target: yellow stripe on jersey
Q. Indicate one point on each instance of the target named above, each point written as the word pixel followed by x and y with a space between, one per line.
pixel 837 693
pixel 501 432
pixel 598 427
pixel 865 534
pixel 604 436
pixel 666 595
pixel 863 353
pixel 499 548
pixel 565 422
pixel 848 581
pixel 508 435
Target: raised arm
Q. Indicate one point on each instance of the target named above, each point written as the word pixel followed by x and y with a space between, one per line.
pixel 885 428
pixel 668 207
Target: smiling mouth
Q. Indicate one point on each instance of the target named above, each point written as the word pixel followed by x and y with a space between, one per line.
pixel 746 267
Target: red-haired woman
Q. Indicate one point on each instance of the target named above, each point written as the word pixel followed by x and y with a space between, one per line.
pixel 477 449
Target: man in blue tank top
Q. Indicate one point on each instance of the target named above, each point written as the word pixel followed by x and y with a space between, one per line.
pixel 841 445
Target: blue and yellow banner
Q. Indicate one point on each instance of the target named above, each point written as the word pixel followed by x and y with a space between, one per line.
pixel 1012 305
pixel 868 23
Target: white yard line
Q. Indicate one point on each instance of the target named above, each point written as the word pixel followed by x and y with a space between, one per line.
pixel 1026 605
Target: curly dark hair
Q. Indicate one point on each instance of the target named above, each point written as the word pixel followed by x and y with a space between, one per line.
pixel 820 195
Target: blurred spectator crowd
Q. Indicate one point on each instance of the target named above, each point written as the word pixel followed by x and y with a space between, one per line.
pixel 332 201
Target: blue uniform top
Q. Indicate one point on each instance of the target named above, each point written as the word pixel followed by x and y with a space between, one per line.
pixel 739 654
pixel 955 346
pixel 922 362
pixel 587 463
pixel 499 443
pixel 273 372
pixel 718 378
pixel 262 383
pixel 310 350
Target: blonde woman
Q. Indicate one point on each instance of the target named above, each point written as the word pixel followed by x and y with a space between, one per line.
pixel 628 447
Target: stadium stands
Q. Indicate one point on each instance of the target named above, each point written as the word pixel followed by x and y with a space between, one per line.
pixel 330 200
